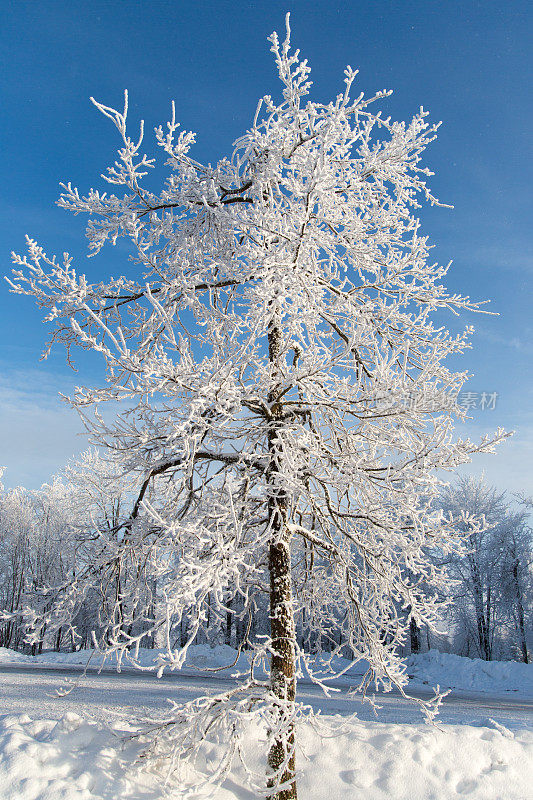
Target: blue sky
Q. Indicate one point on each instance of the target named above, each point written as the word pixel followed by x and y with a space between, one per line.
pixel 468 63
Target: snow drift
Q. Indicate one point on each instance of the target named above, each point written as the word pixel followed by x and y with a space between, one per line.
pixel 471 674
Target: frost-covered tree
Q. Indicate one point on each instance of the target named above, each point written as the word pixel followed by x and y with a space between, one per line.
pixel 98 489
pixel 16 527
pixel 514 539
pixel 289 402
pixel 99 493
pixel 477 510
pixel 492 571
pixel 37 550
pixel 53 549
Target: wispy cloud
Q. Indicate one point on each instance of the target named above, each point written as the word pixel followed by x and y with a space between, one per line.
pixel 522 344
pixel 38 433
pixel 510 467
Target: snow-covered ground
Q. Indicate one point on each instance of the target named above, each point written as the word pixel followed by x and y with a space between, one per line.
pixel 77 748
pixel 432 668
pixel 76 759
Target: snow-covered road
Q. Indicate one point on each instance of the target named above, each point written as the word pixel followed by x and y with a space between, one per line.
pixel 33 690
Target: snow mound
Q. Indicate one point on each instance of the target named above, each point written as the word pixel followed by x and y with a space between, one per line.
pixel 222 658
pixel 76 759
pixel 12 657
pixel 470 674
pixel 73 759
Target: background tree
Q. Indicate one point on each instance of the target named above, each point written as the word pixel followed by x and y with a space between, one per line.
pixel 99 493
pixel 16 526
pixel 515 541
pixel 37 551
pixel 492 573
pixel 53 550
pixel 477 568
pixel 289 401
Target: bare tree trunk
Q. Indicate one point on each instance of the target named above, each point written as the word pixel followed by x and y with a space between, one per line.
pixel 520 611
pixel 150 640
pixel 229 622
pixel 414 632
pixel 489 626
pixel 240 624
pixel 184 626
pixel 282 667
pixel 481 622
pixel 282 627
pixel 208 618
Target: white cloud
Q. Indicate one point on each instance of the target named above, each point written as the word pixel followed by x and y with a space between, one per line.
pixel 38 433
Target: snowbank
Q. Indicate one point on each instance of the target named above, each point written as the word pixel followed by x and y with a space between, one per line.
pixel 432 668
pixel 13 657
pixel 223 660
pixel 470 674
pixel 76 759
pixel 199 657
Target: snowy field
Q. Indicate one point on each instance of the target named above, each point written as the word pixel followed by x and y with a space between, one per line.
pixel 77 747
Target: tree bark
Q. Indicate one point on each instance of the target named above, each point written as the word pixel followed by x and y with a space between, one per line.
pixel 281 757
